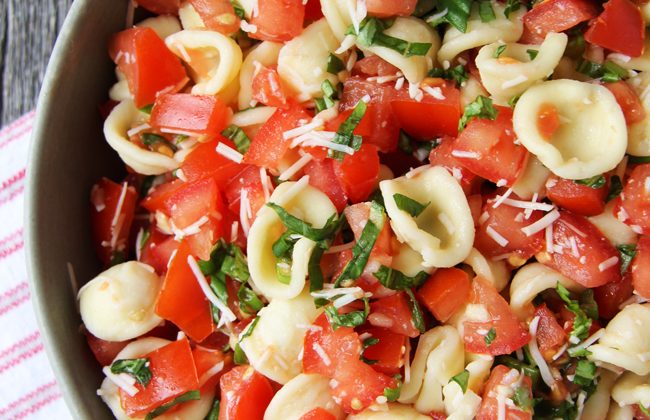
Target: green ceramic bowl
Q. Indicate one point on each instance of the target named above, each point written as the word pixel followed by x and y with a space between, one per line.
pixel 68 154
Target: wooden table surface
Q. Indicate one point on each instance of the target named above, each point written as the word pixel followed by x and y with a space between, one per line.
pixel 28 30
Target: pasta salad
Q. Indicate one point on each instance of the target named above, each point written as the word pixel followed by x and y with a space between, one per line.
pixel 375 209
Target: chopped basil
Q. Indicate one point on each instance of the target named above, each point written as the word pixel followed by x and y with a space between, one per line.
pixel 582 322
pixel 146 185
pixel 214 411
pixel 368 342
pixel 585 373
pixel 588 304
pixel 239 10
pixel 137 368
pixel 500 49
pixel 547 410
pixel 345 134
pixel 608 71
pixel 334 64
pixel 295 225
pixel 490 336
pixel 511 6
pixel 188 396
pixel 615 188
pixel 350 319
pixel 576 45
pixel 513 101
pixel 480 108
pixel 461 379
pixel 218 286
pixel 485 11
pixel 458 12
pixel 529 370
pixel 329 96
pixel 249 302
pixel 522 399
pixel 151 139
pixel 409 205
pixel 644 409
pixel 314 271
pixel 404 143
pixel 361 250
pixel 249 329
pixel 392 394
pixel 594 182
pixel 396 280
pixel 284 245
pixel 118 257
pixel 458 74
pixel 237 135
pixel 627 253
pixel 147 109
pixel 143 239
pixel 371 32
pixel 532 54
pixel 638 159
pixel 226 259
pixel 423 7
pixel 416 311
pixel 239 357
pixel 283 269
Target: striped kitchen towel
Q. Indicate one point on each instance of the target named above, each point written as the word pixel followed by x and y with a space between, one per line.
pixel 28 389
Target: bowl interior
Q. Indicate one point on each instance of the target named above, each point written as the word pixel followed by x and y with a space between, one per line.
pixel 68 155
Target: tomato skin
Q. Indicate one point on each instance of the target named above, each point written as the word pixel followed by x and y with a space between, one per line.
pixel 429 117
pixel 385 8
pixel 593 246
pixel 278 20
pixel 605 30
pixel 318 413
pixel 267 88
pixel 105 202
pixel 217 15
pixel 245 394
pixel 493 143
pixel 577 198
pixel 173 373
pixel 548 121
pixel 635 200
pixel 446 290
pixel 204 162
pixel 395 308
pixel 358 173
pixel 198 114
pixel 373 66
pixel 610 296
pixel 157 250
pixel 510 333
pixel 489 406
pixel 441 156
pixel 550 335
pixel 157 195
pixel 628 100
pixel 322 176
pixel 313 11
pixel 104 351
pixel 640 268
pixel 555 16
pixel 161 7
pixel 147 63
pixel 387 352
pixel 250 180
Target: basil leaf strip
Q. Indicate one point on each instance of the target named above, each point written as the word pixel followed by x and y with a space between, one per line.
pixel 416 312
pixel 188 396
pixel 582 322
pixel 594 182
pixel 457 74
pixel 485 11
pixel 396 280
pixel 314 271
pixel 461 379
pixel 214 411
pixel 615 188
pixel 500 49
pixel 480 108
pixel 351 319
pixel 371 33
pixel 237 135
pixel 249 302
pixel 522 399
pixel 627 252
pixel 295 225
pixel 345 133
pixel 334 64
pixel 137 368
pixel 150 139
pixel 407 204
pixel 490 336
pixel 458 12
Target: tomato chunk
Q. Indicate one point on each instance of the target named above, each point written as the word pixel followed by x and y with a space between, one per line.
pixel 548 121
pixel 267 88
pixel 605 30
pixel 318 414
pixel 245 394
pixel 445 292
pixel 197 114
pixel 374 66
pixel 206 359
pixel 358 173
pixel 641 268
pixel 394 314
pixel 550 335
pixel 503 378
pixel 635 200
pixel 172 374
pixel 385 8
pixel 161 7
pixel 611 295
pixel 441 156
pixel 555 16
pixel 104 351
pixel 249 180
pixel 158 250
pixel 217 15
pixel 204 161
pixel 278 20
pixel 388 353
pixel 147 63
pixel 322 176
pixel 628 100
pixel 578 198
pixel 111 215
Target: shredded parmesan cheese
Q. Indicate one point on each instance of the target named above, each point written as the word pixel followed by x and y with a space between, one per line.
pixel 496 236
pixel 542 223
pixel 229 153
pixel 435 92
pixel 321 353
pixel 464 154
pixel 227 315
pixel 502 198
pixel 608 263
pixel 296 167
pixel 295 132
pixel 514 82
pixel 247 27
pixel 121 380
pixel 447 223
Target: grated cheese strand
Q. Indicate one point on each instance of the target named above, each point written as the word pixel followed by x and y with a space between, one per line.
pixel 544 370
pixel 227 315
pixel 229 153
pixel 542 223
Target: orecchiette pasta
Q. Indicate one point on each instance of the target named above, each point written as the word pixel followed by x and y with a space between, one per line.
pixel 590 121
pixel 632 389
pixel 638 142
pixel 394 412
pixel 641 63
pixel 266 54
pixel 481 33
pixel 312 206
pixel 163 25
pixel 124 116
pixel 274 345
pixel 190 19
pixel 118 304
pixel 617 232
pixel 470 90
pixel 300 395
pixel 461 405
pixel 617 412
pixel 597 405
pixel 338 15
pixel 213 59
pixel 626 342
pixel 532 280
pixel 120 90
pixel 532 179
pixel 302 62
pixel 409 261
pixel 253 116
pixel 496 272
pixel 514 71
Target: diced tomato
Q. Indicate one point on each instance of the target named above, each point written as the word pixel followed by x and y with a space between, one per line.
pixel 388 353
pixel 157 250
pixel 206 359
pixel 639 414
pixel 104 351
pixel 488 148
pixel 313 11
pixel 364 128
pixel 267 88
pixel 337 345
pixel 161 7
pixel 445 292
pixel 249 180
pixel 322 176
pixel 245 394
pixel 172 374
pixel 157 195
pixel 374 66
pixel 318 414
pixel 555 16
pixel 507 221
pixel 111 215
pixel 548 120
pixel 358 385
pixel 197 114
pixel 217 15
pixel 550 335
pixel 358 173
pixel 268 145
pixel 605 30
pixel 385 8
pixel 441 156
pixel 181 299
pixel 590 266
pixel 438 415
pixel 278 20
pixel 610 296
pixel 430 117
pixel 578 198
pixel 204 161
pixel 628 100
pixel 503 376
pixel 509 334
pixel 148 65
pixel 640 268
pixel 394 314
pixel 634 201
pixel 379 112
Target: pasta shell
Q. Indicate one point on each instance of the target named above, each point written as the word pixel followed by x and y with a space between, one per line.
pixel 266 54
pixel 394 411
pixel 300 395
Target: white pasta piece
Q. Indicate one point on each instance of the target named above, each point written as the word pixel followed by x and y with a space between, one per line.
pixel 638 142
pixel 626 337
pixel 481 33
pixel 338 16
pixel 464 406
pixel 145 162
pixel 409 261
pixel 597 405
pixel 310 205
pixel 532 179
pixel 414 68
pixel 214 58
pixel 499 76
pixel 470 90
pixel 641 63
pixel 427 234
pixel 631 389
pixel 300 395
pixel 532 280
pixel 118 304
pixel 190 18
pixel 273 346
pixel 495 272
pixel 120 90
pixel 616 412
pixel 645 11
pixel 302 63
pixel 468 313
pixel 617 232
pixel 590 121
pixel 266 54
pixel 252 116
pixel 436 361
pixel 163 25
pixel 394 411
